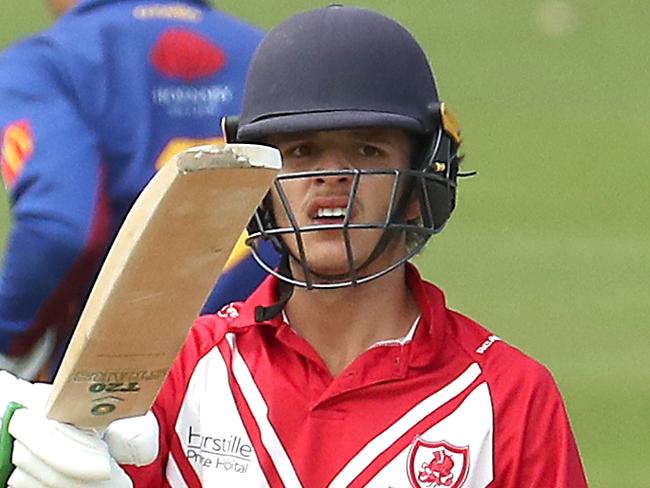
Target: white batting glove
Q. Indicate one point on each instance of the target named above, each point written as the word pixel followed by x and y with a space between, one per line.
pixel 55 455
pixel 50 454
pixel 134 440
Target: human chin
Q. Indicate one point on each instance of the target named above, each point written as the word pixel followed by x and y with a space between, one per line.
pixel 324 252
pixel 327 253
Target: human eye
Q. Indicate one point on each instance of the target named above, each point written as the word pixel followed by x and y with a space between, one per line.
pixel 298 150
pixel 370 151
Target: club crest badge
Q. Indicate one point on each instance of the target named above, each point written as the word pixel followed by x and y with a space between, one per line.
pixel 437 464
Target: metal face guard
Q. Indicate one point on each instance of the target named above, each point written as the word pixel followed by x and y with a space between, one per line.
pixel 406 186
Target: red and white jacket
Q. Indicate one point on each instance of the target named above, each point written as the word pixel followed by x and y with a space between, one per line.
pixel 252 404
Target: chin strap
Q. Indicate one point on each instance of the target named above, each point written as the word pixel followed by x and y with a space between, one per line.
pixel 285 290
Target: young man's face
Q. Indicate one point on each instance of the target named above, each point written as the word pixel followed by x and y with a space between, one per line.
pixel 321 200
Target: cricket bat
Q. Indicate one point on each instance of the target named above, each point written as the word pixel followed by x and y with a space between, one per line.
pixel 158 273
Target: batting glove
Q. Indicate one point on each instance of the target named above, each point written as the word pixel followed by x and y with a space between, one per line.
pixel 45 453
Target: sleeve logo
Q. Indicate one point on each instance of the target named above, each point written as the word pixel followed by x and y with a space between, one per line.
pixel 229 311
pixel 16 147
pixel 487 344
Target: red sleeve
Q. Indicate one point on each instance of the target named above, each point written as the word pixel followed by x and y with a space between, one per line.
pixel 534 444
pixel 206 332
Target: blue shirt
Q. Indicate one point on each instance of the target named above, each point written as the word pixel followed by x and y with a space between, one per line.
pixel 89 109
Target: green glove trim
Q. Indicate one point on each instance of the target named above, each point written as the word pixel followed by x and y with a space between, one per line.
pixel 7 444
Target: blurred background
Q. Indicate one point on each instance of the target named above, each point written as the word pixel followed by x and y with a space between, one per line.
pixel 550 245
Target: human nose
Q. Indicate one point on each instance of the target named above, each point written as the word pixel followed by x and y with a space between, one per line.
pixel 338 164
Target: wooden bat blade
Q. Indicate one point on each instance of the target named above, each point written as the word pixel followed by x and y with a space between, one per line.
pixel 160 269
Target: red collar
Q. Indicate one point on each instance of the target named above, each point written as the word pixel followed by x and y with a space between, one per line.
pixel 429 336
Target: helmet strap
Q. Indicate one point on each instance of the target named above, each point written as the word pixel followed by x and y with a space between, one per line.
pixel 285 291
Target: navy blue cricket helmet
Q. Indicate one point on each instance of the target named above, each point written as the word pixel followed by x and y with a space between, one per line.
pixel 343 67
pixel 337 67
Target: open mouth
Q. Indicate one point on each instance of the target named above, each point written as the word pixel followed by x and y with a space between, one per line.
pixel 328 210
pixel 330 213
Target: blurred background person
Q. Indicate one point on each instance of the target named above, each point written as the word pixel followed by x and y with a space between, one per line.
pixel 89 110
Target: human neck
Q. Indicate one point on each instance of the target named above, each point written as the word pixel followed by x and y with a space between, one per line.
pixel 341 324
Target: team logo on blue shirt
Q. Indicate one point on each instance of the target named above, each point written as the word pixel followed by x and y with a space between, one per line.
pixel 184 54
pixel 186 59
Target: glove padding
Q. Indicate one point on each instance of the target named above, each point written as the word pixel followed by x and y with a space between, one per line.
pixel 55 455
pixel 15 393
pixel 134 440
pixel 21 479
pixel 50 454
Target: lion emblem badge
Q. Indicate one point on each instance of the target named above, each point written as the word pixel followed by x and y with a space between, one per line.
pixel 437 464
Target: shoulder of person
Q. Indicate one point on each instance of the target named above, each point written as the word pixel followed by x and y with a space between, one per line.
pixel 28 52
pixel 236 23
pixel 31 71
pixel 206 333
pixel 504 365
pixel 234 33
pixel 213 327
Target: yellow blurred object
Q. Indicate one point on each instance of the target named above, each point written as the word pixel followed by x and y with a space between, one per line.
pixel 450 124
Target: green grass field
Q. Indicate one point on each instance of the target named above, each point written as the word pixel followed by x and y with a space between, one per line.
pixel 548 246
